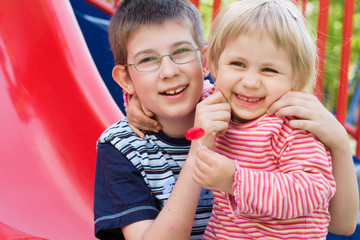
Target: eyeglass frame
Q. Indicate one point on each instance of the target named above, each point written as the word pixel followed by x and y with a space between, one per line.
pixel 159 58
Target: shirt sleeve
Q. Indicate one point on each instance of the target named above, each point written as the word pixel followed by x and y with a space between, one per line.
pixel 303 184
pixel 127 97
pixel 121 196
pixel 208 89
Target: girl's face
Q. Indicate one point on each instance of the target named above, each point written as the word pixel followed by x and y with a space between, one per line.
pixel 252 73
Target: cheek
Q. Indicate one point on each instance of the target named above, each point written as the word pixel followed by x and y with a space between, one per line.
pixel 223 82
pixel 276 90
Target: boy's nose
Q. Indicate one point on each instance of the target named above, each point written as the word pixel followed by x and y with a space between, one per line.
pixel 168 68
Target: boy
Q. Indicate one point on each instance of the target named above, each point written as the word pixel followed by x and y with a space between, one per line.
pixel 159 57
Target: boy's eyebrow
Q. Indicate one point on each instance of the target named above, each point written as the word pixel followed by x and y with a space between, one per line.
pixel 172 46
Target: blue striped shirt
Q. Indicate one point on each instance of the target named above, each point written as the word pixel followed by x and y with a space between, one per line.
pixel 135 177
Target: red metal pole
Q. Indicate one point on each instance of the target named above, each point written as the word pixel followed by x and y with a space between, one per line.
pixel 116 2
pixel 321 45
pixel 345 60
pixel 304 7
pixel 196 3
pixel 104 6
pixel 216 7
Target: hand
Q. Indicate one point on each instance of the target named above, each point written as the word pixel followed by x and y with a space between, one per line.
pixel 139 117
pixel 214 171
pixel 310 115
pixel 213 115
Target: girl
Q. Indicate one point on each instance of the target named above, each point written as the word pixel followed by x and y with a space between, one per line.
pixel 270 181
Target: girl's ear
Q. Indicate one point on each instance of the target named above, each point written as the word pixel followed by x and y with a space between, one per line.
pixel 205 68
pixel 121 76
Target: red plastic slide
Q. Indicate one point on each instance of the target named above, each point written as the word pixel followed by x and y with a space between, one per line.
pixel 53 107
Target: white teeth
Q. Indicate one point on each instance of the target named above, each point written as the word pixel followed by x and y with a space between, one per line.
pixel 248 99
pixel 175 91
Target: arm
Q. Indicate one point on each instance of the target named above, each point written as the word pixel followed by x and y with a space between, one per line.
pixel 213 115
pixel 119 183
pixel 175 220
pixel 305 176
pixel 140 117
pixel 314 117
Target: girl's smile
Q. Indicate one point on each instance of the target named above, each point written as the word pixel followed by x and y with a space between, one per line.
pixel 253 77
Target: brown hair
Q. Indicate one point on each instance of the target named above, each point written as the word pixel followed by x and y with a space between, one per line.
pixel 132 15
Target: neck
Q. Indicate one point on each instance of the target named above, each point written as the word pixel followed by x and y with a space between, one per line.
pixel 176 127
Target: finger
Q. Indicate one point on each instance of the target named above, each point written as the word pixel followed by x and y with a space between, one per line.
pixel 210 115
pixel 137 131
pixel 294 111
pixel 214 107
pixel 299 99
pixel 214 111
pixel 216 127
pixel 216 97
pixel 206 159
pixel 221 96
pixel 299 95
pixel 147 111
pixel 197 177
pixel 201 161
pixel 142 121
pixel 302 124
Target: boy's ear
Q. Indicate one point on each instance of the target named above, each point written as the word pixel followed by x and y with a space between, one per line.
pixel 212 69
pixel 205 68
pixel 121 76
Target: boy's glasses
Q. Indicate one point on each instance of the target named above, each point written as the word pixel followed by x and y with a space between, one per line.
pixel 151 62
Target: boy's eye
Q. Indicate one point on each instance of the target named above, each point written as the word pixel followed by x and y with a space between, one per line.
pixel 240 64
pixel 146 59
pixel 181 50
pixel 270 70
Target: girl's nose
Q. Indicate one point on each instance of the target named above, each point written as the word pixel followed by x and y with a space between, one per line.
pixel 251 80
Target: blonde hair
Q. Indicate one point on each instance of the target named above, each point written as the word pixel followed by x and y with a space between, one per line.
pixel 282 20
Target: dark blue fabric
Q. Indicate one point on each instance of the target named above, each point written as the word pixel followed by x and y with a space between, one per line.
pixel 121 195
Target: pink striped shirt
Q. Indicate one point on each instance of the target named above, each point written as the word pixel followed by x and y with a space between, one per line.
pixel 283 184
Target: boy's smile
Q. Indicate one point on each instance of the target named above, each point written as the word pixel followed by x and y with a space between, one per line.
pixel 175 91
pixel 172 90
pixel 252 73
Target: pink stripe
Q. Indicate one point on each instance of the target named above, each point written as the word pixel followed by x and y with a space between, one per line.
pixel 273 188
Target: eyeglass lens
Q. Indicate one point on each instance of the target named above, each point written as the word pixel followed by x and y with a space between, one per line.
pixel 151 62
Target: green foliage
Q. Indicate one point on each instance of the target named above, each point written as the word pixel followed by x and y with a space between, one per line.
pixel 334 48
pixel 334 42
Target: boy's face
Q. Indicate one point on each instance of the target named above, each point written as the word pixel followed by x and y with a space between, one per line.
pixel 172 90
pixel 253 73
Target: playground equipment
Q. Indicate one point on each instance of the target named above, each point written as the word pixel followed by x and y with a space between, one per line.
pixel 54 105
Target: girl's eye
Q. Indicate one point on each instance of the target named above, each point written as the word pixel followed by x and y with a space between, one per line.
pixel 270 70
